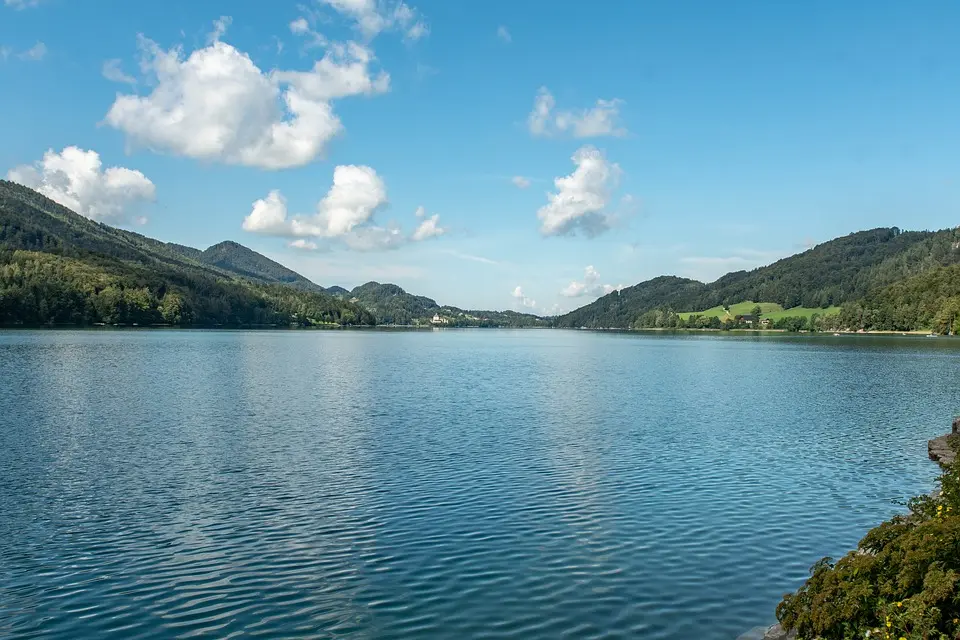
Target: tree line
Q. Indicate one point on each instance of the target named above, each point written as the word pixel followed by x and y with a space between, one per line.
pixel 42 288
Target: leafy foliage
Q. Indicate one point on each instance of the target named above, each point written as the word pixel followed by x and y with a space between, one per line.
pixel 930 300
pixel 902 582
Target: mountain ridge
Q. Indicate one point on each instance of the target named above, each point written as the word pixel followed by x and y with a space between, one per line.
pixel 837 272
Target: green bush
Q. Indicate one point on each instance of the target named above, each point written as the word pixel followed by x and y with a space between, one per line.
pixel 903 582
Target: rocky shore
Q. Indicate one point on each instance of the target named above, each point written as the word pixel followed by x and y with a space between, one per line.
pixel 941 450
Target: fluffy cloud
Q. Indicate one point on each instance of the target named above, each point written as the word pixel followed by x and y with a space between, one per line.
pixel 429 228
pixel 35 53
pixel 269 216
pixel 581 197
pixel 504 34
pixel 589 286
pixel 522 298
pixel 357 192
pixel 303 243
pixel 217 105
pixel 75 179
pixel 345 214
pixel 220 26
pixel 520 182
pixel 373 238
pixel 300 26
pixel 601 120
pixel 375 16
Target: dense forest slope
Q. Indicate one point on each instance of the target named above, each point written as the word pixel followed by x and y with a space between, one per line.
pixel 861 268
pixel 59 267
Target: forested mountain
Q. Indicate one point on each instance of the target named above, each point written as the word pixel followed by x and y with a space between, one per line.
pixel 839 272
pixel 245 262
pixel 34 222
pixel 59 267
pixel 392 305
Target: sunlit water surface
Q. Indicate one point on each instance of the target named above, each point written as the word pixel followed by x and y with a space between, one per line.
pixel 447 484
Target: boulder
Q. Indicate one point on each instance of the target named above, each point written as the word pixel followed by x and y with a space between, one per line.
pixel 776 632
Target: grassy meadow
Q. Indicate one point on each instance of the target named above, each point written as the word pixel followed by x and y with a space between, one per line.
pixel 769 310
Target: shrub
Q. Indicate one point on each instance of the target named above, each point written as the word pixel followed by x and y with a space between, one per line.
pixel 903 582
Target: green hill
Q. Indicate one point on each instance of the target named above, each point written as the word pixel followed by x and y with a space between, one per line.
pixel 838 272
pixel 245 262
pixel 392 305
pixel 59 267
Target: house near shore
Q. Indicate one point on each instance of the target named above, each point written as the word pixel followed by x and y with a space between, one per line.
pixel 438 320
pixel 748 319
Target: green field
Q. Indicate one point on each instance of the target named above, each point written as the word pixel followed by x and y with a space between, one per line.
pixel 797 312
pixel 770 310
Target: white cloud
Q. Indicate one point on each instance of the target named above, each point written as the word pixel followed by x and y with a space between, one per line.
pixel 420 212
pixel 589 286
pixel 345 214
pixel 217 105
pixel 357 192
pixel 35 53
pixel 373 238
pixel 344 71
pixel 21 4
pixel 75 179
pixel 429 228
pixel 581 197
pixel 299 26
pixel 375 16
pixel 601 120
pixel 520 182
pixel 220 26
pixel 504 34
pixel 269 216
pixel 522 298
pixel 5 53
pixel 303 243
pixel 113 72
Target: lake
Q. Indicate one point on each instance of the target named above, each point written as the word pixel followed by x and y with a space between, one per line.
pixel 484 483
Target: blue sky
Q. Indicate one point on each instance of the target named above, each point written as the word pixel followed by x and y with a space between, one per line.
pixel 689 138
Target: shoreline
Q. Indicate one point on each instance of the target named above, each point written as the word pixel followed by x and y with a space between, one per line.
pixel 939 450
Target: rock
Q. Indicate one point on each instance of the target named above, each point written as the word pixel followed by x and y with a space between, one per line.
pixel 939 449
pixel 776 632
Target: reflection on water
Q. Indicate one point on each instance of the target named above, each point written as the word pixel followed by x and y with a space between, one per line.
pixel 448 483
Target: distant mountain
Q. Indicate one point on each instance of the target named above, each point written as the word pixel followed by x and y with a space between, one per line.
pixel 392 305
pixel 838 272
pixel 57 266
pixel 245 262
pixel 337 291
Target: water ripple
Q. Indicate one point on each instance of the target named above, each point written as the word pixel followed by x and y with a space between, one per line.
pixel 447 484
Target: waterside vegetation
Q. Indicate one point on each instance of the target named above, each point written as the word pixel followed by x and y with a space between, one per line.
pixel 903 581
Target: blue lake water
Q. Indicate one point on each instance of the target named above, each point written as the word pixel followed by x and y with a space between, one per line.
pixel 498 484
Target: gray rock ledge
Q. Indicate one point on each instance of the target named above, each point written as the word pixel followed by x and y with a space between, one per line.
pixel 939 449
